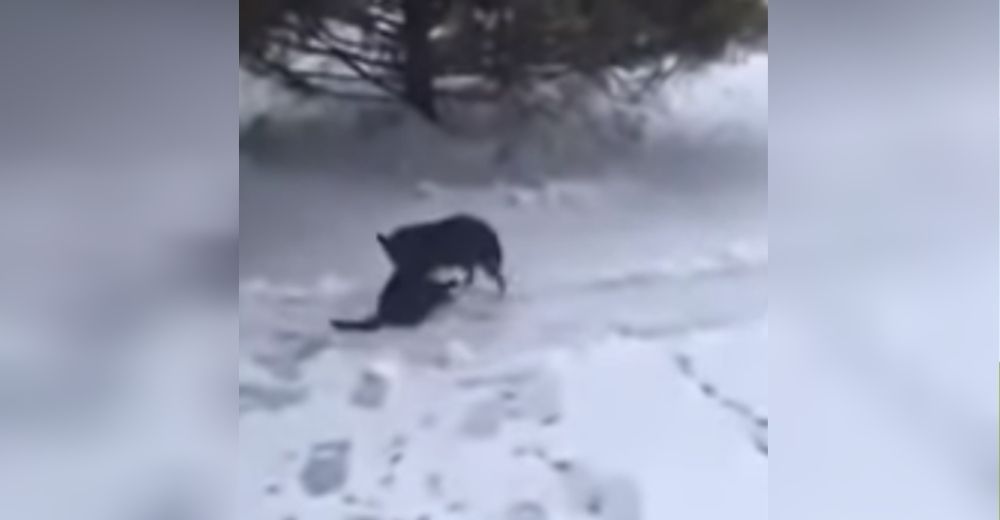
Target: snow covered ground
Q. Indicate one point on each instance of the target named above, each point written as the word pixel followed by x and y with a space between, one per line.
pixel 625 375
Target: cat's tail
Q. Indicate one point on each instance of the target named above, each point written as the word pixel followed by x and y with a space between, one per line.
pixel 368 325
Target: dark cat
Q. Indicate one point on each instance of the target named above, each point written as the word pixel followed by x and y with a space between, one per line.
pixel 457 241
pixel 407 299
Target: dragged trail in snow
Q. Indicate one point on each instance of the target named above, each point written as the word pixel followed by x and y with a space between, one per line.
pixel 548 317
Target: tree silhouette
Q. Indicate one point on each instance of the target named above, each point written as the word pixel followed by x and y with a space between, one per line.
pixel 421 52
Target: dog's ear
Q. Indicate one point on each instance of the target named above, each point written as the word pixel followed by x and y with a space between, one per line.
pixel 383 241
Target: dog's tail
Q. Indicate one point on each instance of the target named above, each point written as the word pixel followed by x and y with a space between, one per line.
pixel 368 325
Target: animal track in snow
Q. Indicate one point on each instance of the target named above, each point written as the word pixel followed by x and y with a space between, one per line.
pixel 755 423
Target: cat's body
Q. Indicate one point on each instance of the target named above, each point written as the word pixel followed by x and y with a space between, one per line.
pixel 458 241
pixel 407 300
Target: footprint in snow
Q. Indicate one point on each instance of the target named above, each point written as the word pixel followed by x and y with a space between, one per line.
pixel 600 497
pixel 255 398
pixel 327 470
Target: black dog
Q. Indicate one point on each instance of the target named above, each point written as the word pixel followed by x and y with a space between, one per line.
pixel 407 299
pixel 459 241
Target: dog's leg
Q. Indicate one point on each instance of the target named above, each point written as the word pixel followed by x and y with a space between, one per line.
pixel 493 270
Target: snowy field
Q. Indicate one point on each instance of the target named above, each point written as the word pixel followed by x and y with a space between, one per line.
pixel 624 376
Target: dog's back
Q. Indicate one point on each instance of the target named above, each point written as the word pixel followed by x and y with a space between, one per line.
pixel 457 240
pixel 460 240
